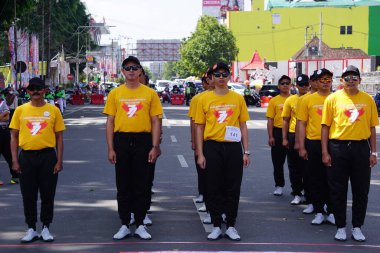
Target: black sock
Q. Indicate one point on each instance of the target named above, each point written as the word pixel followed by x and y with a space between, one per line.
pixel 32 226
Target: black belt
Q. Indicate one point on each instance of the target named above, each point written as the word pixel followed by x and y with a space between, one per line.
pixel 4 127
pixel 347 141
pixel 38 150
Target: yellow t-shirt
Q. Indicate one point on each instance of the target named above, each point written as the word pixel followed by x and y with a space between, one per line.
pixel 350 117
pixel 133 108
pixel 310 110
pixel 217 112
pixel 274 110
pixel 193 105
pixel 37 126
pixel 299 102
pixel 289 111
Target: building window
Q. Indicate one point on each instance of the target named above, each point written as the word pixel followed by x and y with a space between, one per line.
pixel 349 29
pixel 342 29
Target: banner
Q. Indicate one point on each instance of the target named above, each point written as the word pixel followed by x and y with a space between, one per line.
pixel 34 56
pixel 219 8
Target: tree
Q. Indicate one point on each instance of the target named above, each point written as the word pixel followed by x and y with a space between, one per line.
pixel 169 70
pixel 210 43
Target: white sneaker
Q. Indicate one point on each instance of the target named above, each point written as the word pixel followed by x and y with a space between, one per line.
pixel 318 220
pixel 141 233
pixel 132 221
pixel 202 208
pixel 296 200
pixel 278 191
pixel 357 235
pixel 147 221
pixel 122 233
pixel 232 234
pixel 309 209
pixel 215 234
pixel 30 236
pixel 199 199
pixel 207 220
pixel 46 236
pixel 341 234
pixel 331 219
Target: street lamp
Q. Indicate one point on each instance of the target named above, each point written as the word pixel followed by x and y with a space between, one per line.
pixel 78 31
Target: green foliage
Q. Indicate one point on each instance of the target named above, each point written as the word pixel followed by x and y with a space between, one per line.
pixel 66 17
pixel 210 43
pixel 169 70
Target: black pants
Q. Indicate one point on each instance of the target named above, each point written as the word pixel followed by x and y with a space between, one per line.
pixel 37 168
pixel 278 153
pixel 151 179
pixel 133 175
pixel 5 148
pixel 201 181
pixel 224 172
pixel 319 189
pixel 296 167
pixel 350 161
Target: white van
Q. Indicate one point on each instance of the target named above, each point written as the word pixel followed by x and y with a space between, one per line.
pixel 161 84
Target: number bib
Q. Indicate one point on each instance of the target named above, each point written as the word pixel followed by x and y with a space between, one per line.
pixel 232 134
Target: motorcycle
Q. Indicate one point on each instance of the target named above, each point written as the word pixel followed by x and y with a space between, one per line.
pixel 252 99
pixel 164 96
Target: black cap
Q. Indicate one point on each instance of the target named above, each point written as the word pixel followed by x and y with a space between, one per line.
pixel 131 59
pixel 302 79
pixel 283 77
pixel 35 82
pixel 220 65
pixel 351 70
pixel 324 71
pixel 314 76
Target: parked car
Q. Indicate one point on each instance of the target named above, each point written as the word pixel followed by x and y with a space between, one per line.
pixel 162 84
pixel 269 90
pixel 237 87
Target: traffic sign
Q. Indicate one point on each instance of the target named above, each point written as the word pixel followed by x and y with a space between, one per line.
pixel 70 77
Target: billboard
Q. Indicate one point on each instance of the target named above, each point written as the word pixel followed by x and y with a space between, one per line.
pixel 219 8
pixel 157 50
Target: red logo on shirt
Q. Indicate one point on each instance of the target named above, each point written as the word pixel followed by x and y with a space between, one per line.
pixel 319 111
pixel 132 109
pixel 36 126
pixel 354 114
pixel 222 115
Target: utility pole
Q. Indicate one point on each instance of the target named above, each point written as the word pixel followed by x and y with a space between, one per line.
pixel 112 57
pixel 15 42
pixel 320 37
pixel 43 40
pixel 306 41
pixel 49 40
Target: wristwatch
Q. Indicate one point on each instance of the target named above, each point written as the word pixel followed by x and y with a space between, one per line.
pixel 247 152
pixel 374 154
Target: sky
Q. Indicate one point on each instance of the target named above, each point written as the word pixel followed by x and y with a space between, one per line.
pixel 147 19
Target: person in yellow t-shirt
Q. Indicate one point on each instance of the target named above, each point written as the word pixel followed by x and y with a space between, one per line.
pixel 310 116
pixel 274 128
pixel 295 163
pixel 349 150
pixel 133 132
pixel 208 86
pixel 222 149
pixel 37 128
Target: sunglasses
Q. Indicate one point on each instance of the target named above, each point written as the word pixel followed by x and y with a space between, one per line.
pixel 303 84
pixel 325 80
pixel 133 68
pixel 224 74
pixel 351 78
pixel 285 83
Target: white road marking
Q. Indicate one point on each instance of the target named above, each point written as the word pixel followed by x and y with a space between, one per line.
pixel 174 139
pixel 165 121
pixel 202 216
pixel 182 161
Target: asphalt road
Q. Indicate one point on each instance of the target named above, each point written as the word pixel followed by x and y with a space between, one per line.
pixel 86 212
